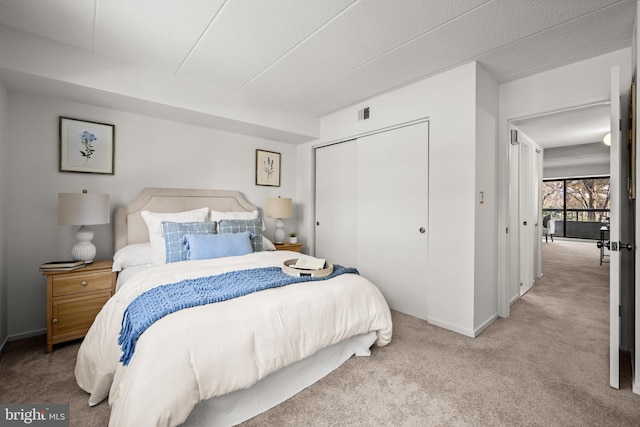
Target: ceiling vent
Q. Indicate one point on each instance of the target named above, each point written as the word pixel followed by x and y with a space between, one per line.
pixel 363 114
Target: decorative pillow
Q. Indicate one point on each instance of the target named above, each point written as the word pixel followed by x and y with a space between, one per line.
pixel 239 225
pixel 154 224
pixel 206 246
pixel 132 256
pixel 174 232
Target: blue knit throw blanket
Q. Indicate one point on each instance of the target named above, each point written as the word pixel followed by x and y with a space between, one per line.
pixel 160 301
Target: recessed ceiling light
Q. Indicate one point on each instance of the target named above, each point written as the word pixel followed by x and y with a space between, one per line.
pixel 607 139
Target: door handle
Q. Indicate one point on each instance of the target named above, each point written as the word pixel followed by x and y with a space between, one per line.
pixel 524 222
pixel 619 246
pixel 628 246
pixel 422 230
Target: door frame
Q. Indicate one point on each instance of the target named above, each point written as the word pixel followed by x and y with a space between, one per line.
pixel 506 258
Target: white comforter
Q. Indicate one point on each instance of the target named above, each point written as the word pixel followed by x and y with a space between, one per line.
pixel 207 351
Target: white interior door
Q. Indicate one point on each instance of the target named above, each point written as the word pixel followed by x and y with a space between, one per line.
pixel 392 215
pixel 514 221
pixel 616 190
pixel 527 220
pixel 537 212
pixel 336 211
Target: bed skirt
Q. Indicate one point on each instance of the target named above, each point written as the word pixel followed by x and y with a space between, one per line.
pixel 234 408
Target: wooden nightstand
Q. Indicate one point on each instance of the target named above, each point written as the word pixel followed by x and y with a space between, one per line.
pixel 286 246
pixel 74 298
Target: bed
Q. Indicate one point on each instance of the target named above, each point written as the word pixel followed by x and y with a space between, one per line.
pixel 221 363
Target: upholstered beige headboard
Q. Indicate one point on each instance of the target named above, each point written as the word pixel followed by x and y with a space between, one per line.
pixel 129 227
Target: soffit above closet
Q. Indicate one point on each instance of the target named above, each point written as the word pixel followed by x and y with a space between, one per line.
pixel 315 57
pixel 575 126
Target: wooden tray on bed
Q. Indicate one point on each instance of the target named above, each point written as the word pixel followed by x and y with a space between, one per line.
pixel 287 268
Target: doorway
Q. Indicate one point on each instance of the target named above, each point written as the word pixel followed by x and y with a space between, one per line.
pixel 557 144
pixel 579 153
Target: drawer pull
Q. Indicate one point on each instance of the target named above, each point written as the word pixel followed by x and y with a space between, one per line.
pixel 54 320
pixel 83 283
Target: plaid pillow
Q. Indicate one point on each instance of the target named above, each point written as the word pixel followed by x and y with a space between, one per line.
pixel 175 231
pixel 253 226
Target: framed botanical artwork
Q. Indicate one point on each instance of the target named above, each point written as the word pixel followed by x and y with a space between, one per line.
pixel 86 147
pixel 267 168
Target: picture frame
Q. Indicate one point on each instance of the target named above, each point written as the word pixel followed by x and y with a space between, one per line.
pixel 267 168
pixel 86 146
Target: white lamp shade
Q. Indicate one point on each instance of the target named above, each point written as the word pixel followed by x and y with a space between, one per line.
pixel 279 207
pixel 83 209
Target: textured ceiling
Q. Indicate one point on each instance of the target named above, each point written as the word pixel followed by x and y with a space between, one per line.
pixel 570 127
pixel 315 56
pixel 572 137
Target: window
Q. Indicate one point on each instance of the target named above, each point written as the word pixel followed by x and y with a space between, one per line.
pixel 578 205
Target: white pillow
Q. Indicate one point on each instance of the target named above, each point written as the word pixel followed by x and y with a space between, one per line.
pixel 154 224
pixel 133 256
pixel 267 245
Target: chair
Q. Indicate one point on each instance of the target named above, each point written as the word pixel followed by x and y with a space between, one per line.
pixel 548 228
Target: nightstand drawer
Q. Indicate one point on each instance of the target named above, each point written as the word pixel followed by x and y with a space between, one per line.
pixel 85 282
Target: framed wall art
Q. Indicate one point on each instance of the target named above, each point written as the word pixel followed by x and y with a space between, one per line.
pixel 267 168
pixel 86 147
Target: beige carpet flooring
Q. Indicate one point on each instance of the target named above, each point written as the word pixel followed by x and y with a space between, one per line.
pixel 545 366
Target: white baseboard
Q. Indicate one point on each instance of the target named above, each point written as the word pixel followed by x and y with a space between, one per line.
pixel 27 335
pixel 514 299
pixel 466 332
pixel 486 324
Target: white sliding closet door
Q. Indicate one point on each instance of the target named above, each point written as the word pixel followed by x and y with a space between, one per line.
pixel 336 211
pixel 392 203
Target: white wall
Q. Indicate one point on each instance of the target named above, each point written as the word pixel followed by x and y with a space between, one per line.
pixel 486 240
pixel 4 182
pixel 576 171
pixel 150 152
pixel 449 101
pixel 578 84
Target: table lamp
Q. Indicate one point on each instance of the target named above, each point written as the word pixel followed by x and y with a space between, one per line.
pixel 279 208
pixel 83 209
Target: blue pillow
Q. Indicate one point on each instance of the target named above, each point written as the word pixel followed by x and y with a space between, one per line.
pixel 253 226
pixel 175 231
pixel 206 246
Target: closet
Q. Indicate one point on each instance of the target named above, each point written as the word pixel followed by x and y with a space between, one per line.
pixel 372 211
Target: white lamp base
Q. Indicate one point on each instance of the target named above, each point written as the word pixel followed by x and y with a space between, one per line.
pixel 84 250
pixel 278 236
